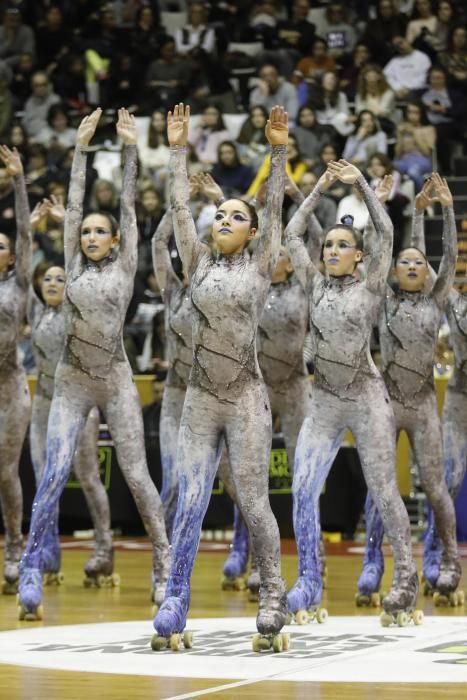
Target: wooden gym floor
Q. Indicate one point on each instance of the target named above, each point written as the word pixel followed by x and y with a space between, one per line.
pixel 72 604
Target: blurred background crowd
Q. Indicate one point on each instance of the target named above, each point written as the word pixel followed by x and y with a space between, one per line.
pixel 382 84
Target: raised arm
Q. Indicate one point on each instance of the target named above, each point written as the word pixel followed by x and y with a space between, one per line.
pixel 305 268
pixel 370 238
pixel 447 266
pixel 128 253
pixel 35 305
pixel 23 249
pixel 315 230
pixel 74 208
pixel 267 251
pixel 161 260
pixel 189 246
pixel 422 201
pixel 380 255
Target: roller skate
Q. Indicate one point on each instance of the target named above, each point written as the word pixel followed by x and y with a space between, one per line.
pixel 51 560
pixel 303 602
pixel 99 568
pixel 253 583
pixel 12 558
pixel 370 580
pixel 237 561
pixel 446 593
pixel 170 622
pixel 272 616
pixel 399 604
pixel 30 595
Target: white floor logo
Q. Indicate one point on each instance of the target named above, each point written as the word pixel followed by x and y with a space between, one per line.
pixel 352 649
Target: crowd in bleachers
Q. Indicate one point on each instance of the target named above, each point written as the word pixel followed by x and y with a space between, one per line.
pixel 382 84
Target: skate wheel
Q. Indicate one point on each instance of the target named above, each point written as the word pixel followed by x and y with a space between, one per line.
pixel 358 598
pixel 288 619
pixel 417 617
pixel 402 619
pixel 115 580
pixel 174 641
pixel 285 641
pixel 255 643
pixel 154 610
pixel 30 616
pixel 188 640
pixel 301 617
pixel 100 581
pixel 461 597
pixel 277 643
pixel 158 643
pixel 321 615
pixel 385 619
pixel 441 600
pixel 375 600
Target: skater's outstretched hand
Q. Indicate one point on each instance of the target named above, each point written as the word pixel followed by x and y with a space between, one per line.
pixel 277 127
pixel 38 214
pixel 126 127
pixel 344 171
pixel 327 180
pixel 209 187
pixel 177 125
pixel 87 128
pixel 441 190
pixel 55 208
pixel 425 197
pixel 383 190
pixel 11 160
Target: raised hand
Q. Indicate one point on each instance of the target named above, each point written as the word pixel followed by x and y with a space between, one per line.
pixel 326 180
pixel 344 171
pixel 177 125
pixel 126 127
pixel 441 190
pixel 193 185
pixel 87 128
pixel 209 187
pixel 384 188
pixel 277 127
pixel 11 160
pixel 38 214
pixel 424 198
pixel 55 208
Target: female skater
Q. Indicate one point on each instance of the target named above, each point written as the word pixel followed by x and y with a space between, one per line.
pixel 47 322
pixel 226 398
pixel 15 403
pixel 348 391
pixel 454 417
pixel 408 330
pixel 93 370
pixel 281 337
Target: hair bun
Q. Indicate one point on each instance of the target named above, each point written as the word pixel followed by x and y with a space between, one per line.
pixel 347 220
